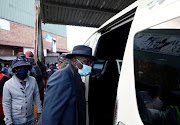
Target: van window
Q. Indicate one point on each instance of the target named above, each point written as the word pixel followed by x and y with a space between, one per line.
pixel 111 45
pixel 157 75
pixel 97 67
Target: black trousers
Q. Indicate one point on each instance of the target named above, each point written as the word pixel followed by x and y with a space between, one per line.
pixel 2 121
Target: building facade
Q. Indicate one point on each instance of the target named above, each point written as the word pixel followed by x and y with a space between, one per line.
pixel 17 20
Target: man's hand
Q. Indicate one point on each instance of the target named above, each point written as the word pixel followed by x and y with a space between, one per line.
pixel 38 116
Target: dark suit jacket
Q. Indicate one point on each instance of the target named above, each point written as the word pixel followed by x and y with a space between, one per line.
pixel 64 102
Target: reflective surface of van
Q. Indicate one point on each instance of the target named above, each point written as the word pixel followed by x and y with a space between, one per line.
pixel 157 73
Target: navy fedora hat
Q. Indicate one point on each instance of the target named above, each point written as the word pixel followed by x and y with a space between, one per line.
pixel 81 50
pixel 18 63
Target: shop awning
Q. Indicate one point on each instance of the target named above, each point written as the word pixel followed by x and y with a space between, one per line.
pixel 7 58
pixel 89 13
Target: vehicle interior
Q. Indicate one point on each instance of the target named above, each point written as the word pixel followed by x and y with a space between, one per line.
pixel 105 74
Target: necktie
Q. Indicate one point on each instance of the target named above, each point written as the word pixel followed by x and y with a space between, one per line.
pixel 24 84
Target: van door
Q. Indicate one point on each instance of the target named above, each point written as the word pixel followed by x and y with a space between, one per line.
pixel 148 89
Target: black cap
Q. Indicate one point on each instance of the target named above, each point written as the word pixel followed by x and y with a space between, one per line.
pixel 20 55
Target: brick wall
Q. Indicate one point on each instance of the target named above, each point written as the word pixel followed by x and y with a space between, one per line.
pixel 23 36
pixel 7 50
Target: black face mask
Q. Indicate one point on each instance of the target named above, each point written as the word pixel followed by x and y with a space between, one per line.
pixel 29 60
pixel 23 73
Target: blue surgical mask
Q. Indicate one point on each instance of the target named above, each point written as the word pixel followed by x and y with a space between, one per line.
pixel 23 73
pixel 86 70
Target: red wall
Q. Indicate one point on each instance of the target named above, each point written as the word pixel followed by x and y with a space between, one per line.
pixel 23 36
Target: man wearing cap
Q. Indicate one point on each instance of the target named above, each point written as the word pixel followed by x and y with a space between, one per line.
pixel 61 59
pixel 18 56
pixel 19 95
pixel 36 73
pixel 64 102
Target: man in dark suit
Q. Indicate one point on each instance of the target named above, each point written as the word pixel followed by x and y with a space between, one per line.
pixel 64 102
pixel 61 59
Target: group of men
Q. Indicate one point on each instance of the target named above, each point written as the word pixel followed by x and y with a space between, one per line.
pixel 64 100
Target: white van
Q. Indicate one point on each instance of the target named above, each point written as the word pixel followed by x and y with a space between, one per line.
pixel 136 77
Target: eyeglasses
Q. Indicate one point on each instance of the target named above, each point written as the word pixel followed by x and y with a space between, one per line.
pixel 60 62
pixel 85 61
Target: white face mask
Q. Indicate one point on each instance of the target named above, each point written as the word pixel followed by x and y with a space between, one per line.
pixel 86 70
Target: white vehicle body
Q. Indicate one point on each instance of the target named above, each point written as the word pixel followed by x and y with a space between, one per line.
pixel 150 14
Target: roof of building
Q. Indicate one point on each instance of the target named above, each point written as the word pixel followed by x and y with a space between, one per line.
pixel 89 13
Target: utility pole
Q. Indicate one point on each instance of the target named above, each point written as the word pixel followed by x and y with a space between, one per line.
pixel 35 33
pixel 38 48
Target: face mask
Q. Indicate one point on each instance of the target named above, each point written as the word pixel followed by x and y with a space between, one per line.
pixel 22 73
pixel 29 60
pixel 86 70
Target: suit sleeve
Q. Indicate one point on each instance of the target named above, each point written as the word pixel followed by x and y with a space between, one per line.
pixel 56 98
